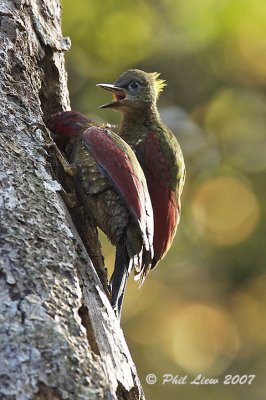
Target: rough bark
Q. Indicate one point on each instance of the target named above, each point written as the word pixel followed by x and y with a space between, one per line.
pixel 59 338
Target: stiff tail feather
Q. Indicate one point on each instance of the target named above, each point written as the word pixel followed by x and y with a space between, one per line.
pixel 142 270
pixel 122 269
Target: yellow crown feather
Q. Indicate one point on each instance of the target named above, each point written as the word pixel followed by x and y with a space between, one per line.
pixel 158 83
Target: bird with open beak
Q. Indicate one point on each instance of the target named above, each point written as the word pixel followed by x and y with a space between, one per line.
pixel 135 95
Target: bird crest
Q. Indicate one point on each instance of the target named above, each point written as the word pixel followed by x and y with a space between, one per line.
pixel 159 84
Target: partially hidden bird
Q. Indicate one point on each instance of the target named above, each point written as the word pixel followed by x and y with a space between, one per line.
pixel 112 188
pixel 135 95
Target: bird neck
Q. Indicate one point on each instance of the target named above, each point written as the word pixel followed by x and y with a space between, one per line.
pixel 133 118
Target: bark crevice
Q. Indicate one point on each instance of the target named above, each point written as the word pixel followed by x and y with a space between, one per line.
pixel 49 348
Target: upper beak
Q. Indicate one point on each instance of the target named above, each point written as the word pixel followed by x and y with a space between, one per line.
pixel 118 93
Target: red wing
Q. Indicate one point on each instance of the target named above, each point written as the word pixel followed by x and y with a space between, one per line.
pixel 166 217
pixel 68 123
pixel 128 180
pixel 164 202
pixel 114 161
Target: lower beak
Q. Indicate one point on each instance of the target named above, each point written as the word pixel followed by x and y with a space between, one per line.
pixel 118 93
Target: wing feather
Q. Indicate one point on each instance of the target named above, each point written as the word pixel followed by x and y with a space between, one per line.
pixel 165 202
pixel 119 162
pixel 68 123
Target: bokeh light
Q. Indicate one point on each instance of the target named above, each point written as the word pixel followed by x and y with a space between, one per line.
pixel 205 339
pixel 248 307
pixel 238 118
pixel 225 210
pixel 202 310
pixel 251 41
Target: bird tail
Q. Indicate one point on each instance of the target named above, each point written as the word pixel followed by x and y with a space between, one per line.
pixel 143 268
pixel 122 269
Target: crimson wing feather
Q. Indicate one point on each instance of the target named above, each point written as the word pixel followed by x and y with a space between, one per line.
pixel 120 165
pixel 68 123
pixel 114 160
pixel 166 207
pixel 166 216
pixel 129 181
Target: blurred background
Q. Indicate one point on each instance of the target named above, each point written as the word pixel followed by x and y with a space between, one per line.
pixel 202 311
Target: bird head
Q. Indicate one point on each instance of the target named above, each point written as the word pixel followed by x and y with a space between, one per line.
pixel 134 89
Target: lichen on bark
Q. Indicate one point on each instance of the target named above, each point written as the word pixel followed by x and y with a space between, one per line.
pixel 58 335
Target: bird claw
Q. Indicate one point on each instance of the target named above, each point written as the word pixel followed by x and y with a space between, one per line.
pixel 70 199
pixel 46 134
pixel 51 145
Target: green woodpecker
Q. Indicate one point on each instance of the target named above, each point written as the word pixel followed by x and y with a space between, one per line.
pixel 135 95
pixel 111 186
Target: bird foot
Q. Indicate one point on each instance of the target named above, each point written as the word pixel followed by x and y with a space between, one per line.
pixel 51 145
pixel 70 199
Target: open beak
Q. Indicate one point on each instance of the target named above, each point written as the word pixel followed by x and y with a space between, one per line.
pixel 118 94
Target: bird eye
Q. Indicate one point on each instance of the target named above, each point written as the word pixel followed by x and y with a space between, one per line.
pixel 133 85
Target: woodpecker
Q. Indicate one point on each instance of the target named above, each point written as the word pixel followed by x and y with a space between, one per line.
pixel 135 95
pixel 111 186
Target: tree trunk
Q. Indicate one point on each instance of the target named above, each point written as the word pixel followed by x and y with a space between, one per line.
pixel 59 337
